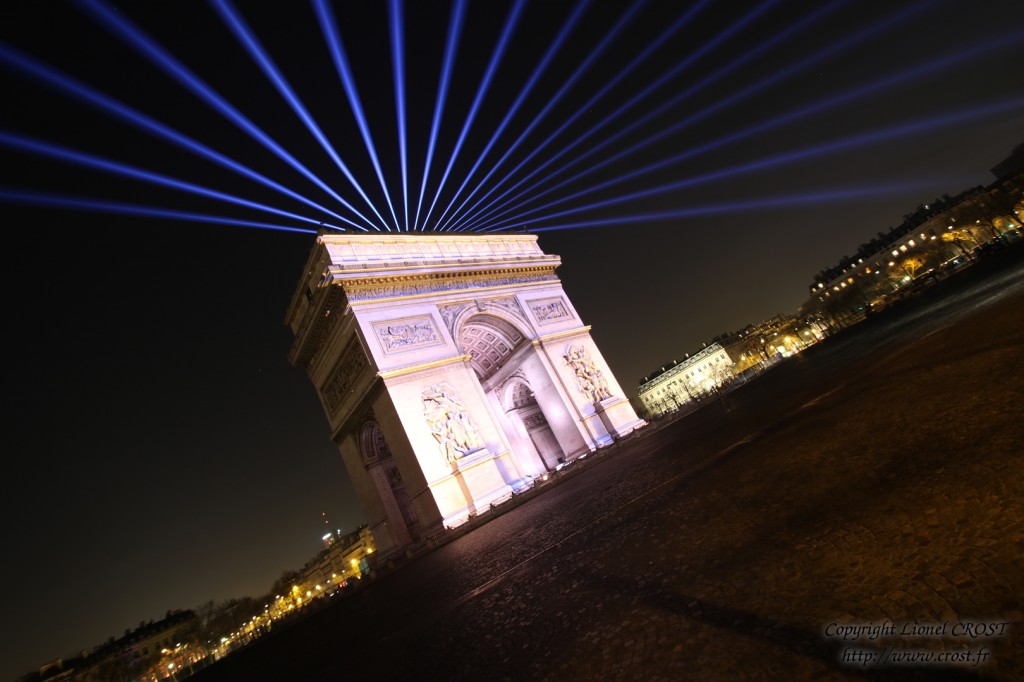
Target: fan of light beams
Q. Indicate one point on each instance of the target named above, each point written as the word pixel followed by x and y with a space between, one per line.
pixel 584 138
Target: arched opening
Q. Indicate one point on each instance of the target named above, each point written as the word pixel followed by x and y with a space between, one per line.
pixel 521 402
pixel 499 353
pixel 384 471
pixel 490 341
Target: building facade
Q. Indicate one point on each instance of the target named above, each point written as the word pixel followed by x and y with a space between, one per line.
pixel 931 240
pixel 342 560
pixel 682 382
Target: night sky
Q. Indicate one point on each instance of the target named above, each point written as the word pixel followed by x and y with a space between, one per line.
pixel 162 452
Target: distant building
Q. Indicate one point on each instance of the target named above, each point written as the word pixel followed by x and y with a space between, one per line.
pixel 145 645
pixel 681 382
pixel 343 559
pixel 936 236
pixel 152 646
pixel 761 343
pixel 926 223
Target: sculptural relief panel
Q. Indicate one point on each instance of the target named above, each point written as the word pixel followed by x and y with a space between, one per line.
pixel 450 312
pixel 449 422
pixel 589 378
pixel 550 310
pixel 343 376
pixel 406 334
pixel 509 304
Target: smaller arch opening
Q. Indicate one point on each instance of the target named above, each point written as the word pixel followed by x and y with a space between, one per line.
pixel 521 395
pixel 373 445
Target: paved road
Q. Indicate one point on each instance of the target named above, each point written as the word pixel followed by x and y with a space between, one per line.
pixel 875 479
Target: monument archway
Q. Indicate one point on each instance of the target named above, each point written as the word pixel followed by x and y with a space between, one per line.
pixel 475 369
pixel 520 402
pixel 507 366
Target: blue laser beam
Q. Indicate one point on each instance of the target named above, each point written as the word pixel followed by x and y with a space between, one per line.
pixel 259 55
pixel 732 99
pixel 398 67
pixel 142 43
pixel 944 62
pixel 79 158
pixel 499 51
pixel 454 31
pixel 69 86
pixel 582 69
pixel 785 201
pixel 615 80
pixel 44 200
pixel 745 58
pixel 859 140
pixel 328 27
pixel 694 56
pixel 538 71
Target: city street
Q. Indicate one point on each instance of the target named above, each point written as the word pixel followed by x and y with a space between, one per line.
pixel 874 481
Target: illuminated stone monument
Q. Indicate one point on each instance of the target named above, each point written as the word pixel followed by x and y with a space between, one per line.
pixel 453 371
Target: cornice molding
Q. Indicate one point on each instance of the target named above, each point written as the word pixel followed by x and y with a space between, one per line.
pixel 559 336
pixel 366 289
pixel 423 366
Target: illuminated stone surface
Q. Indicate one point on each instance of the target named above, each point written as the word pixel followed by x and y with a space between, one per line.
pixel 453 370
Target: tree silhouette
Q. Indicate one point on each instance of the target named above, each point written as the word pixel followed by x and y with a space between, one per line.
pixel 911 265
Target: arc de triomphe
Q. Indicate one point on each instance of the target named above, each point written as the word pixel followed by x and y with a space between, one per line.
pixel 453 370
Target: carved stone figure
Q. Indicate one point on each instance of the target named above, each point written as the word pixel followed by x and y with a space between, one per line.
pixel 403 335
pixel 446 415
pixel 337 387
pixel 589 379
pixel 549 310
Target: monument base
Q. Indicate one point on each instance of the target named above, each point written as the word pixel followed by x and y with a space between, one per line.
pixel 617 417
pixel 475 482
